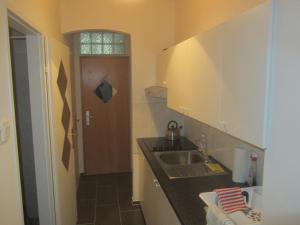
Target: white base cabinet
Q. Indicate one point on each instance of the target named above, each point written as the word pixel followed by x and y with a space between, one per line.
pixel 155 205
pixel 138 177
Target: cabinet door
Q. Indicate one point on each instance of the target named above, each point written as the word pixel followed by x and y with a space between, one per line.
pixel 156 207
pixel 203 81
pixel 162 65
pixel 166 213
pixel 245 61
pixel 176 74
pixel 194 78
pixel 138 176
pixel 151 202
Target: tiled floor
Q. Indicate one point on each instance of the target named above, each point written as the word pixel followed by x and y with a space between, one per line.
pixel 106 200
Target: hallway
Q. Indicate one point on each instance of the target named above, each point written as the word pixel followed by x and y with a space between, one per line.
pixel 106 200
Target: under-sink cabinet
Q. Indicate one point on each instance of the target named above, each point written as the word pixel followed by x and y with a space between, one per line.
pixel 221 76
pixel 155 205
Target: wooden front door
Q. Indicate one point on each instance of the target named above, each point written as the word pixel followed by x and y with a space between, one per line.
pixel 106 121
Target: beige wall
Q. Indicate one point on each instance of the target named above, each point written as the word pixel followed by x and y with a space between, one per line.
pixel 149 22
pixel 64 179
pixel 151 26
pixel 42 15
pixel 195 16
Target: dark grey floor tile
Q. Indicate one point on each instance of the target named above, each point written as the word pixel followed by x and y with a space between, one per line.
pixel 87 190
pixel 107 215
pixel 106 180
pixel 124 181
pixel 125 200
pixel 88 178
pixel 86 195
pixel 86 211
pixel 133 218
pixel 111 190
pixel 107 195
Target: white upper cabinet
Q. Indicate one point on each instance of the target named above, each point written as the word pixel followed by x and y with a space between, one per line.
pixel 176 77
pixel 245 75
pixel 163 59
pixel 220 77
pixel 193 77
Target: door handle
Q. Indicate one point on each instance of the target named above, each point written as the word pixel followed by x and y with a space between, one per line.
pixel 88 116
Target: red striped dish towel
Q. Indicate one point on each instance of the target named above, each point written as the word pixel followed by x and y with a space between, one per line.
pixel 231 199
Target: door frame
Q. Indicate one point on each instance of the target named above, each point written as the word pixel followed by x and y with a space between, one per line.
pixel 78 104
pixel 38 80
pixel 78 98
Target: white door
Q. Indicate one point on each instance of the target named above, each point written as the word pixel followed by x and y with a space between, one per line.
pixel 61 121
pixel 11 211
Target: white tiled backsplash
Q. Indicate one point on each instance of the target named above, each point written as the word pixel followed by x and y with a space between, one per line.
pixel 221 145
pixel 151 119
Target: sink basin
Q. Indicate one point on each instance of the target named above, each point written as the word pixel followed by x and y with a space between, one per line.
pixel 184 164
pixel 181 158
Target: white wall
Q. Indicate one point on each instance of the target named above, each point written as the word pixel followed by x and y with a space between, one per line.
pixel 282 166
pixel 221 145
pixel 42 15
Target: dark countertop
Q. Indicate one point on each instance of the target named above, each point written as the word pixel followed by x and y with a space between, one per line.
pixel 183 194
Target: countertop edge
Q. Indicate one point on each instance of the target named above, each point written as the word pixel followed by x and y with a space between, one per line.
pixel 183 194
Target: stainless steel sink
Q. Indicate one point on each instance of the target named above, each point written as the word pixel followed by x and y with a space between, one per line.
pixel 184 164
pixel 181 158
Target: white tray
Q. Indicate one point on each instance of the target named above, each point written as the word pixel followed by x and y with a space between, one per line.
pixel 255 197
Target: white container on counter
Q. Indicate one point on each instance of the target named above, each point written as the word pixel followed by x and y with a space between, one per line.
pixel 240 165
